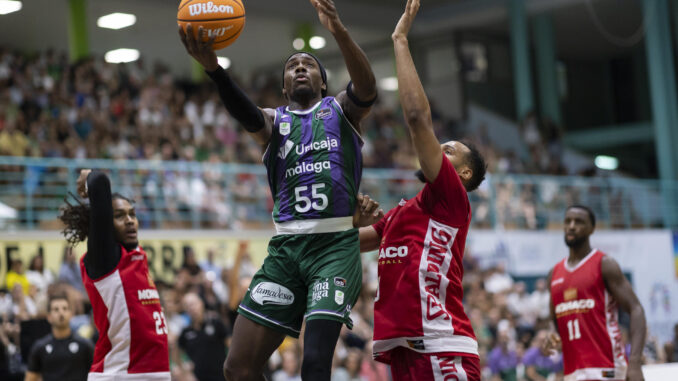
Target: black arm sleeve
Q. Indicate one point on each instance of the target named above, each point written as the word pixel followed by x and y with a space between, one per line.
pixel 236 101
pixel 103 252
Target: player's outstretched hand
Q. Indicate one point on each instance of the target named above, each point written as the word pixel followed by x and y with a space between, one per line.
pixel 405 22
pixel 82 182
pixel 197 48
pixel 551 345
pixel 367 212
pixel 327 13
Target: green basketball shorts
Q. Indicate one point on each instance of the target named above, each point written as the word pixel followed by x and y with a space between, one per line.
pixel 312 276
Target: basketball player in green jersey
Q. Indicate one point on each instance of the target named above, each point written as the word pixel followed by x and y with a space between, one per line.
pixel 312 154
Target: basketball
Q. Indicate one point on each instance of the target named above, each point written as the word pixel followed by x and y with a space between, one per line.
pixel 224 19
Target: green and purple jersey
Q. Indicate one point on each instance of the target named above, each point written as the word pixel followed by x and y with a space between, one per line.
pixel 314 166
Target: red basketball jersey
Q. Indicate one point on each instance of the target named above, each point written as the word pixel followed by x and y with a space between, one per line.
pixel 419 300
pixel 587 321
pixel 132 341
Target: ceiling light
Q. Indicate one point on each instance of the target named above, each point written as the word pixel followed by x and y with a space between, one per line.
pixel 389 84
pixel 224 62
pixel 9 6
pixel 316 42
pixel 122 55
pixel 606 162
pixel 116 21
pixel 298 43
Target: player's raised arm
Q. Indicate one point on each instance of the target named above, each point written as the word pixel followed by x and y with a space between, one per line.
pixel 256 121
pixel 413 100
pixel 102 248
pixel 621 290
pixel 361 92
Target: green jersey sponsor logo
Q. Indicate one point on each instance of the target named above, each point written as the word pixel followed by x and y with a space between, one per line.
pixel 320 291
pixel 272 293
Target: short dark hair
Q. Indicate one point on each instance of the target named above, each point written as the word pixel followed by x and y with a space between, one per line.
pixel 477 164
pixel 54 297
pixel 588 210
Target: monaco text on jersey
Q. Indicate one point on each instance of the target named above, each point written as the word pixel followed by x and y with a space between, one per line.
pixel 393 252
pixel 581 305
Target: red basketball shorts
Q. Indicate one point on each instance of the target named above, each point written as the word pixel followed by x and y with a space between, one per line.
pixel 408 365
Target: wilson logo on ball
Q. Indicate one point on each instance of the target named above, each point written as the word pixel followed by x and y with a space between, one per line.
pixel 218 32
pixel 206 8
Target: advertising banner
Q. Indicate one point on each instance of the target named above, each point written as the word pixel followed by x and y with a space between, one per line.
pixel 165 249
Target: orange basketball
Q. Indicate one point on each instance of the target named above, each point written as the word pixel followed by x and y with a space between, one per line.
pixel 224 19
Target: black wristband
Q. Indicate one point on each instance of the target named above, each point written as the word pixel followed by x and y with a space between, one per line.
pixel 357 101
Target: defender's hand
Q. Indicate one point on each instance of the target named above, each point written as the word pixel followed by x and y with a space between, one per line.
pixel 200 50
pixel 367 212
pixel 551 345
pixel 82 182
pixel 328 15
pixel 405 23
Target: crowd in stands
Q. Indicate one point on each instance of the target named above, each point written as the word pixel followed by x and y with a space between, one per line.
pixel 92 109
pixel 509 321
pixel 51 108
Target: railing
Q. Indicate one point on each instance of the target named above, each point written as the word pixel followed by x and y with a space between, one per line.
pixel 233 196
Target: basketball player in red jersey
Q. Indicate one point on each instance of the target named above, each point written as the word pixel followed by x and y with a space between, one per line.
pixel 119 286
pixel 420 326
pixel 586 289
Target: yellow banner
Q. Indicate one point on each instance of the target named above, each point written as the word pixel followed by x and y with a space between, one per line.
pixel 165 249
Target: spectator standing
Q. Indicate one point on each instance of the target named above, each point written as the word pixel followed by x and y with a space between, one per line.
pixel 11 368
pixel 69 272
pixel 16 275
pixel 538 367
pixel 208 265
pixel 203 340
pixel 23 307
pixel 652 353
pixel 516 300
pixel 13 141
pixel 290 367
pixel 499 281
pixel 38 275
pixel 350 371
pixel 5 303
pixel 61 355
pixel 540 299
pixel 503 359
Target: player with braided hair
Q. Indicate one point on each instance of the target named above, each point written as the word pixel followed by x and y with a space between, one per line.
pixel 118 283
pixel 76 218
